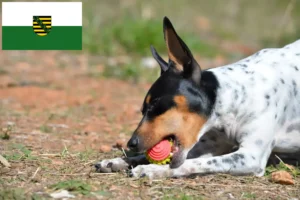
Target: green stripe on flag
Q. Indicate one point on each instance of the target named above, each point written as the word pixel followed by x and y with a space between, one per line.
pixel 59 38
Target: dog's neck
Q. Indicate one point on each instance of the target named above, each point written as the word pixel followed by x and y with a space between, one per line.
pixel 224 99
pixel 209 87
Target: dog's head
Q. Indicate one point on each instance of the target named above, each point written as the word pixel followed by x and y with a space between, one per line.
pixel 175 106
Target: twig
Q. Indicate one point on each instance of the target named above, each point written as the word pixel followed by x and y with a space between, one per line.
pixel 124 152
pixel 82 174
pixel 55 154
pixel 4 161
pixel 100 174
pixel 53 174
pixel 50 154
pixel 87 163
pixel 279 159
pixel 35 173
pixel 231 185
pixel 78 170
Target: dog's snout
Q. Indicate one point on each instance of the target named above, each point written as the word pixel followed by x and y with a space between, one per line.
pixel 133 143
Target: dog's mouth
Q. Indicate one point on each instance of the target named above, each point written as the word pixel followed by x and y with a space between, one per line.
pixel 176 144
pixel 177 152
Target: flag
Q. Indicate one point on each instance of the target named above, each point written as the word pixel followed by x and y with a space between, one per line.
pixel 41 25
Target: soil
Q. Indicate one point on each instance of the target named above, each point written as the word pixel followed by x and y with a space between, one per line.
pixel 60 120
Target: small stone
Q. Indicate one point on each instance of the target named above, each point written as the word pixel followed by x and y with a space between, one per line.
pixel 230 196
pixel 57 162
pixel 282 177
pixel 63 194
pixel 105 148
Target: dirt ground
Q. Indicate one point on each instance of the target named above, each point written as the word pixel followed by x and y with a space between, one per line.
pixel 57 120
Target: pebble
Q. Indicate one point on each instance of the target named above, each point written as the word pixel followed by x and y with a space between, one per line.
pixel 105 148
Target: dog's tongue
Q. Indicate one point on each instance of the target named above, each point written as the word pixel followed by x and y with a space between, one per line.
pixel 160 151
pixel 174 149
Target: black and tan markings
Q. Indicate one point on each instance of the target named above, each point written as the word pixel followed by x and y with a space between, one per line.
pixel 178 120
pixel 181 99
pixel 41 25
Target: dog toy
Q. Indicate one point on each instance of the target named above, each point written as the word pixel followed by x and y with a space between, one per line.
pixel 161 153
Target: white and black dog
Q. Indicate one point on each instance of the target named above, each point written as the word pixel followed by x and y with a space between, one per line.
pixel 253 104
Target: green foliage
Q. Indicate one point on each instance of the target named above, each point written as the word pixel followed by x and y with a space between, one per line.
pixel 64 152
pixel 17 194
pixel 46 129
pixel 102 193
pixel 180 197
pixel 86 155
pixel 38 197
pixel 249 195
pixel 5 132
pixel 3 72
pixel 125 36
pixel 132 72
pixel 20 152
pixel 283 167
pixel 76 186
pixel 131 36
pixel 283 40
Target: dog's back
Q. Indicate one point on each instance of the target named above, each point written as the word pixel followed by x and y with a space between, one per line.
pixel 266 83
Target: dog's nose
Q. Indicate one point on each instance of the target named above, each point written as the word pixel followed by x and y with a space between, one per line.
pixel 133 143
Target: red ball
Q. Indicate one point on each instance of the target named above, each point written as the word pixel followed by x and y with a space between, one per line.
pixel 160 151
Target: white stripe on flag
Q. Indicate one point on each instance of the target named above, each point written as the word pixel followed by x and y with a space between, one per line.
pixel 21 13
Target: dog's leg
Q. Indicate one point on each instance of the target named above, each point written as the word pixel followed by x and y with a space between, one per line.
pixel 241 162
pixel 250 158
pixel 118 164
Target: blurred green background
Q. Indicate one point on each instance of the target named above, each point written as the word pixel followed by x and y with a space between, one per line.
pixel 219 30
pixel 118 33
pixel 129 26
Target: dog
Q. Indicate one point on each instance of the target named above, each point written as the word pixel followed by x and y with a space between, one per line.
pixel 227 119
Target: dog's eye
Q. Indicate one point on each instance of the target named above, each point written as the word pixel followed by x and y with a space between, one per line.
pixel 153 103
pixel 149 107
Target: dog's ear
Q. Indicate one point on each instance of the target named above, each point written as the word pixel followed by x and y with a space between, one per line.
pixel 179 54
pixel 163 64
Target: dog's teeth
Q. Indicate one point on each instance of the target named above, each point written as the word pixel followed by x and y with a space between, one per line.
pixel 171 154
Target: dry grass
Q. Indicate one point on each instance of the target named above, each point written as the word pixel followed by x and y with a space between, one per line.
pixel 52 145
pixel 58 108
pixel 38 177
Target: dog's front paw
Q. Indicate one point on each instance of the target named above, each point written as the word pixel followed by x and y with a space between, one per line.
pixel 111 165
pixel 151 171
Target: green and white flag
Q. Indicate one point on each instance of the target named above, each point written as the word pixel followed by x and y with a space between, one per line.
pixel 41 25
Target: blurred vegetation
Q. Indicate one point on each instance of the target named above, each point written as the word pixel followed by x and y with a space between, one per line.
pixel 131 26
pixel 133 37
pixel 212 29
pixel 128 27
